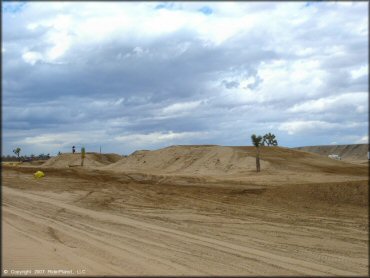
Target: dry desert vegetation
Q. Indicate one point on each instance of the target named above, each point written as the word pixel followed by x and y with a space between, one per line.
pixel 188 210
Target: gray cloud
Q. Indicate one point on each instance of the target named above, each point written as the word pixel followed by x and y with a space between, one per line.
pixel 231 84
pixel 139 81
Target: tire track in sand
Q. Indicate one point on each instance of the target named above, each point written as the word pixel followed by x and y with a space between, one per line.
pixel 292 264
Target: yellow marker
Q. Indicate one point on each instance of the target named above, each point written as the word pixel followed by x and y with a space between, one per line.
pixel 39 174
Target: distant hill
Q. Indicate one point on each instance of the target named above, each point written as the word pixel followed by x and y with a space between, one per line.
pixel 353 152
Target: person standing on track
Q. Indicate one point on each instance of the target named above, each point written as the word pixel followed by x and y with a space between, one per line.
pixel 73 149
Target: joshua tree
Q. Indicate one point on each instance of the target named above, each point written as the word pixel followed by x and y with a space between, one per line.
pixel 17 151
pixel 257 142
pixel 269 139
pixel 82 156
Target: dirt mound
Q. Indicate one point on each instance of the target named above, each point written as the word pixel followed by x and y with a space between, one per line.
pixel 222 160
pixel 74 160
pixel 347 152
pixel 221 163
pixel 198 160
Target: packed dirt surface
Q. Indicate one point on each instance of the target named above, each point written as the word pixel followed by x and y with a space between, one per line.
pixel 355 153
pixel 302 215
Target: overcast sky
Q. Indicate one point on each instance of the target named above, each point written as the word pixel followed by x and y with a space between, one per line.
pixel 146 75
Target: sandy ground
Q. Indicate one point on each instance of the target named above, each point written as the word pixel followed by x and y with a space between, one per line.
pixel 100 222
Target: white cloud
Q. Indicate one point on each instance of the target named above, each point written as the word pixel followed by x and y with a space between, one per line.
pixel 295 127
pixel 360 71
pixel 105 103
pixel 181 107
pixel 332 103
pixel 363 140
pixel 157 137
pixel 61 43
pixel 155 76
pixel 284 79
pixel 307 127
pixel 32 57
pixel 54 141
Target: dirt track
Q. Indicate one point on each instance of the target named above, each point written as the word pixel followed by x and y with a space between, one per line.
pixel 109 223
